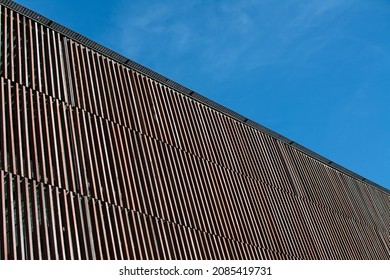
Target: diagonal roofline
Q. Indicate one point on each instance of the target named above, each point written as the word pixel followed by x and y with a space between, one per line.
pixel 178 87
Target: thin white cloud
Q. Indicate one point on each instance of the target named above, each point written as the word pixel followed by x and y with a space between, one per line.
pixel 221 36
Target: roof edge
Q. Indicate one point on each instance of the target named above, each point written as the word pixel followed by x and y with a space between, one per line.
pixel 178 87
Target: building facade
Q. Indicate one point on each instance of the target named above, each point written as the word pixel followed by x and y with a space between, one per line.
pixel 102 158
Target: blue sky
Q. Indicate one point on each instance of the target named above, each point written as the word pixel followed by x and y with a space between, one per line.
pixel 317 72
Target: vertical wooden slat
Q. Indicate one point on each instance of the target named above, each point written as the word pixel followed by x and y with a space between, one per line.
pixel 3 127
pixel 12 48
pixel 94 162
pixel 115 232
pixel 4 39
pixel 79 138
pixel 62 164
pixel 73 226
pixel 3 218
pixel 10 129
pixel 18 55
pixel 44 222
pixel 81 224
pixel 21 254
pixel 102 229
pixel 36 222
pixel 54 244
pixel 94 229
pixel 124 168
pixel 26 134
pixel 58 216
pixel 85 79
pixel 25 52
pixel 76 178
pixel 123 234
pixel 68 70
pixel 28 216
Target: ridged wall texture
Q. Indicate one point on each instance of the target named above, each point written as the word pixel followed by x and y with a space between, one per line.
pixel 99 161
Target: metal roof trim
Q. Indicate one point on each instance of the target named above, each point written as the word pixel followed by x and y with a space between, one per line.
pixel 176 86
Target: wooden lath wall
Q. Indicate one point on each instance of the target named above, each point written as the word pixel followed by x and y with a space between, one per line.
pixel 99 161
